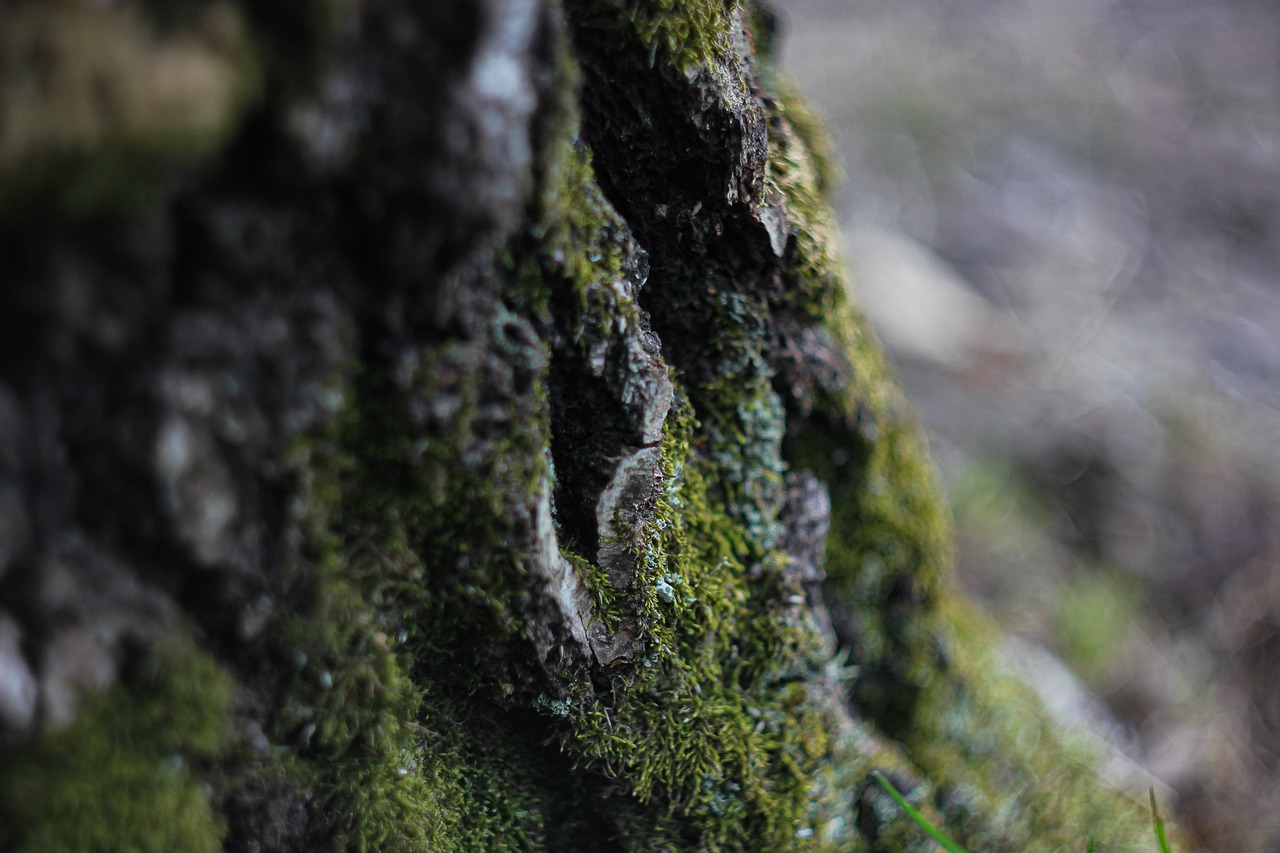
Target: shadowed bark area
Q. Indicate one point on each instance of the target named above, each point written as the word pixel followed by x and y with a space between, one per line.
pixel 442 426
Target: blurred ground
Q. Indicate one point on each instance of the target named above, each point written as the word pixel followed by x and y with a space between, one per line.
pixel 1064 219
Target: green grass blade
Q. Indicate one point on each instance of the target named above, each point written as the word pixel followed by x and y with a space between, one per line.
pixel 1088 845
pixel 920 820
pixel 1158 823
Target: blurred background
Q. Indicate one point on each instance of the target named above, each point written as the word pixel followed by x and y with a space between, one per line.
pixel 1063 218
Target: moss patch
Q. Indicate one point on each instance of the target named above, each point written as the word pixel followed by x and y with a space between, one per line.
pixel 126 774
pixel 686 33
pixel 716 738
pixel 96 105
pixel 420 696
pixel 999 774
pixel 411 595
pixel 1007 778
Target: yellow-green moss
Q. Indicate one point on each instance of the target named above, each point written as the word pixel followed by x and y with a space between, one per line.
pixel 575 245
pixel 573 252
pixel 96 105
pixel 890 533
pixel 686 33
pixel 417 583
pixel 802 121
pixel 389 636
pixel 415 592
pixel 400 637
pixel 126 774
pixel 682 34
pixel 802 179
pixel 715 739
pixel 1009 777
pixel 998 773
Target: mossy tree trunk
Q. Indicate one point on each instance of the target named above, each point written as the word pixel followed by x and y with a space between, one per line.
pixel 442 426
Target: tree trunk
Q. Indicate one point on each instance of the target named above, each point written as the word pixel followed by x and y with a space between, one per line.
pixel 442 426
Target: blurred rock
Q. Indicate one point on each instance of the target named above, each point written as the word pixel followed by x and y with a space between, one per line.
pixel 74 663
pixel 18 689
pixel 923 309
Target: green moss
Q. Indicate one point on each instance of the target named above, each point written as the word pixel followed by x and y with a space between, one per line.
pixel 889 545
pixel 815 270
pixel 405 703
pixel 716 741
pixel 563 266
pixel 97 106
pixel 566 264
pixel 686 33
pixel 348 719
pixel 804 142
pixel 1009 778
pixel 999 774
pixel 809 127
pixel 409 569
pixel 718 738
pixel 405 706
pixel 410 703
pixel 683 34
pixel 126 775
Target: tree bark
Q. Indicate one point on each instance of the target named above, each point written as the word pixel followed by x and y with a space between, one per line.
pixel 443 426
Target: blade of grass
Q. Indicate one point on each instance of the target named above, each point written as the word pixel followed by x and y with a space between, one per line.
pixel 1158 823
pixel 920 820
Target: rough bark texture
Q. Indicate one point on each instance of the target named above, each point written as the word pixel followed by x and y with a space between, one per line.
pixel 441 426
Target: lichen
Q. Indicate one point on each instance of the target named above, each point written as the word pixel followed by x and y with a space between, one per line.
pixel 743 417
